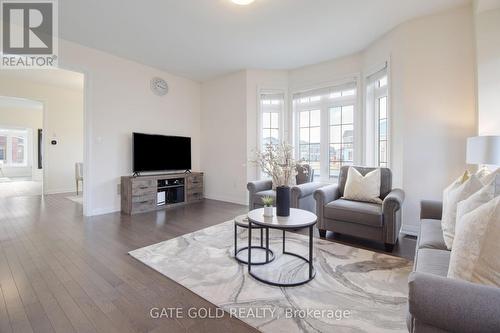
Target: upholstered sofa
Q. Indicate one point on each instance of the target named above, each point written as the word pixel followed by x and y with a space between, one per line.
pixel 440 304
pixel 301 194
pixel 379 222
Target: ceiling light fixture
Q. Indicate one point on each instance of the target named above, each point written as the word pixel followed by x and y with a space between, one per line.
pixel 242 2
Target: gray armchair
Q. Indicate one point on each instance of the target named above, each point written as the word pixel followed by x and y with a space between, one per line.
pixel 379 222
pixel 301 194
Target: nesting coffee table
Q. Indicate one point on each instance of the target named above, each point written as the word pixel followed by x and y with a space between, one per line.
pixel 298 219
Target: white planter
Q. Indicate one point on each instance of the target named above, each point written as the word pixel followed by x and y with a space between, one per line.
pixel 268 211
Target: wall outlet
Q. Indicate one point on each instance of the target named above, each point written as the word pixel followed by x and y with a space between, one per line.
pixel 119 189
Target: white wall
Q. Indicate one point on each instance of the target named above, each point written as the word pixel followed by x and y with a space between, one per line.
pixel 487 27
pixel 63 110
pixel 223 137
pixel 30 118
pixel 433 102
pixel 118 102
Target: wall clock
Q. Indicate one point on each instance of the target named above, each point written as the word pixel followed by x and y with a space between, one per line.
pixel 159 86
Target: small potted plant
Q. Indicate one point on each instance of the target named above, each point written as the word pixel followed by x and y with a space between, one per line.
pixel 268 205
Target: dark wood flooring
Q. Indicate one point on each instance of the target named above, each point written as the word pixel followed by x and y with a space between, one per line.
pixel 61 272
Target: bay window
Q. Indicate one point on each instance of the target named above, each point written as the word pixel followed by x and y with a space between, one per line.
pixel 325 129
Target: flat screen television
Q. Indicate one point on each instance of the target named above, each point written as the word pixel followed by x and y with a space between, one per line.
pixel 160 152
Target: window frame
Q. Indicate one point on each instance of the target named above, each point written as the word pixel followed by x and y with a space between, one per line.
pixel 324 105
pixel 373 94
pixel 10 133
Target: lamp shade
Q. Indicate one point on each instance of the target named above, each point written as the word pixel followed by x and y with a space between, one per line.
pixel 483 150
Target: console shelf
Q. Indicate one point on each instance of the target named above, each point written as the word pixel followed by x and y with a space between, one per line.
pixel 149 193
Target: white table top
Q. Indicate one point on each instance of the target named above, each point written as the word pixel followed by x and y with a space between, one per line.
pixel 298 218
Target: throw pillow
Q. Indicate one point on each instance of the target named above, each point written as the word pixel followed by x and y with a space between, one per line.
pixel 455 193
pixel 474 256
pixel 363 188
pixel 486 176
pixel 477 199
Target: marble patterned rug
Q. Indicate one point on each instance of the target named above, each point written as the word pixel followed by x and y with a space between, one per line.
pixel 354 290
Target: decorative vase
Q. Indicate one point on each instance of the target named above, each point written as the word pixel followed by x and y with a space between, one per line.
pixel 268 211
pixel 283 201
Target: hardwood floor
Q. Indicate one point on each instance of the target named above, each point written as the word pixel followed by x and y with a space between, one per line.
pixel 61 272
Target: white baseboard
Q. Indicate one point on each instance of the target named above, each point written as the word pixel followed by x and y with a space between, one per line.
pixel 411 230
pixel 226 199
pixel 104 210
pixel 59 190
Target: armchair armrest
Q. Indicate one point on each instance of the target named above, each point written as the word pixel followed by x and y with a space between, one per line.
pixel 432 210
pixel 327 194
pixel 257 186
pixel 306 189
pixel 302 196
pixel 391 208
pixel 323 196
pixel 453 305
pixel 393 201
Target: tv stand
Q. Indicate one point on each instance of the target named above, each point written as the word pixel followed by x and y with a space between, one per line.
pixel 141 194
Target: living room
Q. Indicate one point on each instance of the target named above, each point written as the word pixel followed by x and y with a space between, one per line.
pixel 260 165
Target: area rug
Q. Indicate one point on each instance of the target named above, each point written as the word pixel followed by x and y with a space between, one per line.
pixel 354 290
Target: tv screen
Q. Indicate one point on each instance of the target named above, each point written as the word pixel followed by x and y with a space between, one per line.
pixel 161 153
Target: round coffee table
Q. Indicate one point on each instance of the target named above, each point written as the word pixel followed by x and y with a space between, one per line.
pixel 298 219
pixel 242 222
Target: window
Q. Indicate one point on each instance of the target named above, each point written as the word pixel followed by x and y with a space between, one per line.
pixel 341 138
pixel 13 147
pixel 271 106
pixel 378 118
pixel 310 139
pixel 325 129
pixel 3 149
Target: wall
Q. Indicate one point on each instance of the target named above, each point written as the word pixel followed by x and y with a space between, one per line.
pixel 32 119
pixel 118 102
pixel 63 110
pixel 487 28
pixel 223 137
pixel 433 102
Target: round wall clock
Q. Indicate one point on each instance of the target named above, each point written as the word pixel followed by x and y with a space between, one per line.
pixel 159 86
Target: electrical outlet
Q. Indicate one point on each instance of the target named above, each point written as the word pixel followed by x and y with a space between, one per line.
pixel 119 189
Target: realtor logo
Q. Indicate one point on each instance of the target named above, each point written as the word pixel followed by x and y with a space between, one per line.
pixel 29 34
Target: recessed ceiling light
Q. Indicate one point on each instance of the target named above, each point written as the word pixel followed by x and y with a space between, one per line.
pixel 242 2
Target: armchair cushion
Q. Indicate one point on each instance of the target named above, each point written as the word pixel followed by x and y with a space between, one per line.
pixel 354 211
pixel 432 261
pixel 385 179
pixel 431 235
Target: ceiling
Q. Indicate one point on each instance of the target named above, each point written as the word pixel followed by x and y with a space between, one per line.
pixel 54 77
pixel 202 39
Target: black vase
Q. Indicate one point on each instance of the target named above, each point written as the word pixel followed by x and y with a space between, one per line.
pixel 283 201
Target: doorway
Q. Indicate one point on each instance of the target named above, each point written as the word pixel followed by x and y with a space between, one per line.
pixel 51 143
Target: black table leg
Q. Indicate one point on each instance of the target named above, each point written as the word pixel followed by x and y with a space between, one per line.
pixel 235 240
pixel 249 245
pixel 310 251
pixel 267 244
pixel 283 241
pixel 261 238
